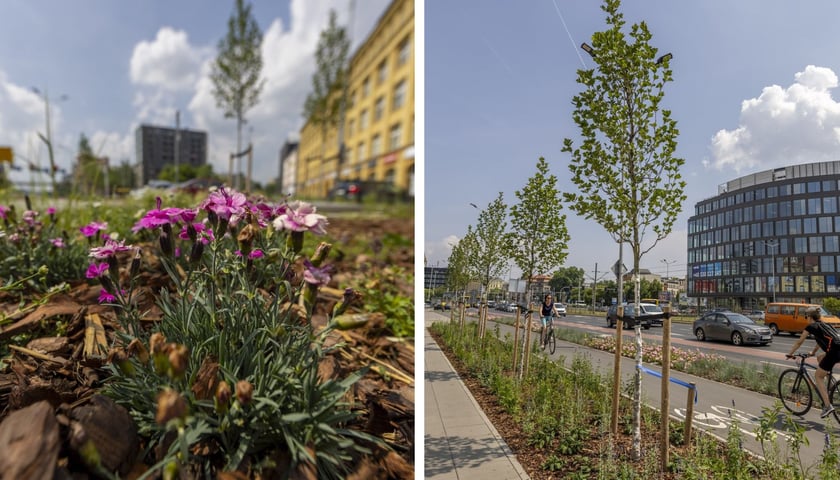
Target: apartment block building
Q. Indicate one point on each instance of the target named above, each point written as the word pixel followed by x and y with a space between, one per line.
pixel 378 125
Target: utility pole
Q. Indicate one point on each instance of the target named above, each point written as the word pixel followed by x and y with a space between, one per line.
pixel 177 143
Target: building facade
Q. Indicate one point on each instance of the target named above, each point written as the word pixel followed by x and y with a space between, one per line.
pixel 378 127
pixel 288 167
pixel 772 235
pixel 155 147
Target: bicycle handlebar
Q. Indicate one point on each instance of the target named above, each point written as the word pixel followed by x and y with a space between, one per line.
pixel 800 355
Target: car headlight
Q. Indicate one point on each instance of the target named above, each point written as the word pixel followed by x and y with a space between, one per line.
pixel 749 330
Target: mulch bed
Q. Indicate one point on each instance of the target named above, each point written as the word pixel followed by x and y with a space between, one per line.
pixel 532 458
pixel 49 401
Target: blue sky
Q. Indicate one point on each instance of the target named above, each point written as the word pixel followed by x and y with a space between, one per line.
pixel 121 64
pixel 753 89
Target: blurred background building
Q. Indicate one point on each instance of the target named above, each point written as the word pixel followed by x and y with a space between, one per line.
pixel 378 126
pixel 156 148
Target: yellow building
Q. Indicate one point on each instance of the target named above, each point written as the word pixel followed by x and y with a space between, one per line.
pixel 379 124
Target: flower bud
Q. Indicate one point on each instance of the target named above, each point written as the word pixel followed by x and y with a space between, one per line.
pixel 244 392
pixel 165 240
pixel 246 238
pixel 294 241
pixel 196 252
pixel 171 405
pixel 135 264
pixel 350 297
pixel 349 322
pixel 119 357
pixel 157 342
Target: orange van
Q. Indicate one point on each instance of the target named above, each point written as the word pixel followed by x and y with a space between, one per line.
pixel 790 317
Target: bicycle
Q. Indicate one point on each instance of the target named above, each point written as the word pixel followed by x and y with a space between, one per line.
pixel 797 395
pixel 547 337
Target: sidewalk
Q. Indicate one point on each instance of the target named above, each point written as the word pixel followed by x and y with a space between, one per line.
pixel 460 442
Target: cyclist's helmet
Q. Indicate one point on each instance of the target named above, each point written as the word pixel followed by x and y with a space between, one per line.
pixel 813 312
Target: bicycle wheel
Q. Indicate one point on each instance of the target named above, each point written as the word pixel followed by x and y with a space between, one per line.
pixel 552 343
pixel 834 398
pixel 795 392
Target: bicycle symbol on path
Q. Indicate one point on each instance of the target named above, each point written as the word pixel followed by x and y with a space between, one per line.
pixel 721 418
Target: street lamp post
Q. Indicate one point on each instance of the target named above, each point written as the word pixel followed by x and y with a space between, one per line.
pixel 48 138
pixel 668 264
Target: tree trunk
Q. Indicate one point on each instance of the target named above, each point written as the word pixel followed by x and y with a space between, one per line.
pixel 237 160
pixel 637 377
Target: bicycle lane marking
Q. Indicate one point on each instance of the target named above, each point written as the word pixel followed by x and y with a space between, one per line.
pixel 721 418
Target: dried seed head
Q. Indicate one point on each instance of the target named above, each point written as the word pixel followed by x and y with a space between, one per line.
pixel 222 397
pixel 179 359
pixel 170 405
pixel 244 392
pixel 157 342
pixel 321 252
pixel 139 350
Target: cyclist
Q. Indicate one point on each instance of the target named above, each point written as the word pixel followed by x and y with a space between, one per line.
pixel 829 341
pixel 547 312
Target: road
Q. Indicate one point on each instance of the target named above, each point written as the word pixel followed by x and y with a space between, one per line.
pixel 683 337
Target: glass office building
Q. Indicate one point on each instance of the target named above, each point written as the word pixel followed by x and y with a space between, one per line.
pixel 765 236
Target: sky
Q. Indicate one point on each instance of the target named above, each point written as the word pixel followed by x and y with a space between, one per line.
pixel 108 67
pixel 753 89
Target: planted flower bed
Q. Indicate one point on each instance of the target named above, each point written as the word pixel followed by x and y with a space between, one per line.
pixel 224 338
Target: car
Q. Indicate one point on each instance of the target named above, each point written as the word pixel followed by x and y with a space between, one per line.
pixel 731 327
pixel 561 308
pixel 755 315
pixel 196 185
pixel 646 316
pixel 346 191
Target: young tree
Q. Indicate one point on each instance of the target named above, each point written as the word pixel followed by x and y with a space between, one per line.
pixel 539 239
pixel 325 105
pixel 624 166
pixel 236 70
pixel 488 255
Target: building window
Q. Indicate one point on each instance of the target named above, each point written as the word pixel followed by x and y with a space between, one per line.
pixel 360 152
pixel 399 96
pixel 379 108
pixel 382 72
pixel 395 137
pixel 814 206
pixel 366 87
pixel 375 146
pixel 799 207
pixel 826 224
pixel 810 225
pixel 832 245
pixel 829 205
pixel 800 245
pixel 350 126
pixel 363 120
pixel 815 245
pixel 404 51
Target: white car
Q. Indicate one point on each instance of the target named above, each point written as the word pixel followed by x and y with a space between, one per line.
pixel 561 308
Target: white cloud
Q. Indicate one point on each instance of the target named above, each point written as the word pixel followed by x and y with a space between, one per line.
pixel 168 62
pixel 783 126
pixel 439 250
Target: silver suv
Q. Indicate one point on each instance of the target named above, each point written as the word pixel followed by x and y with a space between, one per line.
pixel 561 308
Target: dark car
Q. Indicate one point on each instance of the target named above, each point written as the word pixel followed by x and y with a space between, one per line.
pixel 731 327
pixel 629 318
pixel 197 185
